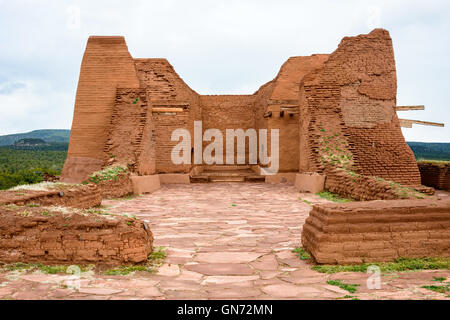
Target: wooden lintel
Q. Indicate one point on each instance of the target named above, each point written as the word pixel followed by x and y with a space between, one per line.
pixel 407 123
pixel 407 108
pixel 162 109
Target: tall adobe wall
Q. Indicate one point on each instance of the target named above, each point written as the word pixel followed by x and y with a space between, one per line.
pixel 165 89
pixel 285 96
pixel 349 108
pixel 106 65
pixel 228 112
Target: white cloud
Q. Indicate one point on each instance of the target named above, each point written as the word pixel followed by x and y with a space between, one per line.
pixel 216 47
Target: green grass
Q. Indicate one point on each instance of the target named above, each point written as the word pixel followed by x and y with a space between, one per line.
pixel 48 269
pixel 345 286
pixel 439 279
pixel 332 197
pixel 107 174
pixel 301 253
pixel 155 259
pixel 440 289
pixel 348 297
pixel 399 265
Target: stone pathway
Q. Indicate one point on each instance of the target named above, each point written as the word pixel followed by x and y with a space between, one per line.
pixel 223 241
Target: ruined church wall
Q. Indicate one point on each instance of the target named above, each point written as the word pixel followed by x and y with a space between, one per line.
pixel 165 89
pixel 228 112
pixel 131 142
pixel 106 65
pixel 351 105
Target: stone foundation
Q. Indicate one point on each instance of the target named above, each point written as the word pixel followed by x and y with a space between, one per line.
pixel 358 232
pixel 436 175
pixel 282 177
pixel 145 184
pixel 174 178
pixel 45 235
pixel 309 182
pixel 116 188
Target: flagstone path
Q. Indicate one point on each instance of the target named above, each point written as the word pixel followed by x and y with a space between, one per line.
pixel 223 241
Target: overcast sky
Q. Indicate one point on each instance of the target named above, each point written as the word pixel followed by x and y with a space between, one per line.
pixel 217 47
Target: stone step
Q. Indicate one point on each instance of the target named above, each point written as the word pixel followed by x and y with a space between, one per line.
pixel 233 173
pixel 223 167
pixel 201 178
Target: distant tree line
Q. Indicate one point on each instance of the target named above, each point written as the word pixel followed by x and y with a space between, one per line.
pixel 25 165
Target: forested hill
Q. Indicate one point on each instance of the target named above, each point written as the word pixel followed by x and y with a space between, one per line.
pixel 430 150
pixel 48 135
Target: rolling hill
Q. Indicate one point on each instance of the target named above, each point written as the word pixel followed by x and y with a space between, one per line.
pixel 48 135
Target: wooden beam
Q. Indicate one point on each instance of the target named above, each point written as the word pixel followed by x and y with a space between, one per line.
pixel 407 108
pixel 407 123
pixel 167 109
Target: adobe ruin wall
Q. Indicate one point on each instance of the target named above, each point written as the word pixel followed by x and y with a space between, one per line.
pixel 330 109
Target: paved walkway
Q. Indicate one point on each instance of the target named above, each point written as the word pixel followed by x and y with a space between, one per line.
pixel 223 241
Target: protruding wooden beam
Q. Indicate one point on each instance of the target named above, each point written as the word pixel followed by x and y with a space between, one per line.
pixel 407 108
pixel 407 123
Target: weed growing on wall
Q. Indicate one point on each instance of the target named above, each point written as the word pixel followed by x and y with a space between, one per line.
pixel 107 174
pixel 333 150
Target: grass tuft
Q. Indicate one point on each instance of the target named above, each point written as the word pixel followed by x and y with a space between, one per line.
pixel 345 286
pixel 401 264
pixel 301 253
pixel 439 289
pixel 154 261
pixel 332 197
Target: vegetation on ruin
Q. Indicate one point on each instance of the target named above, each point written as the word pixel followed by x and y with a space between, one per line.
pixel 107 174
pixel 154 261
pixel 345 286
pixel 301 253
pixel 332 197
pixel 334 150
pixel 399 265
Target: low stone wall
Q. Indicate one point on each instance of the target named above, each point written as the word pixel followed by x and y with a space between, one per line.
pixel 281 177
pixel 118 188
pixel 80 196
pixel 366 188
pixel 436 175
pixel 358 232
pixel 174 178
pixel 45 235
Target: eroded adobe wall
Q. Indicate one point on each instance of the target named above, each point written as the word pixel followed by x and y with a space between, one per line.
pixel 228 112
pixel 48 235
pixel 131 139
pixel 285 100
pixel 165 89
pixel 371 231
pixel 435 175
pixel 350 104
pixel 106 65
pixel 82 196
